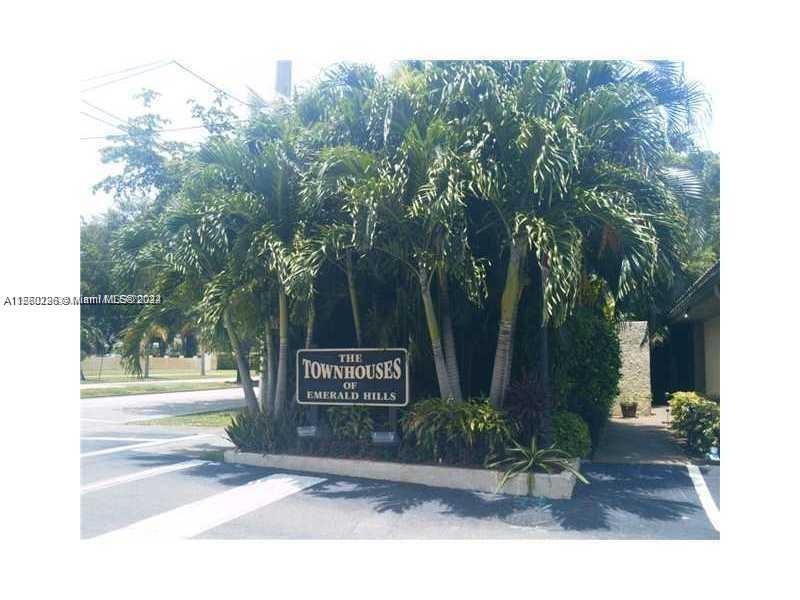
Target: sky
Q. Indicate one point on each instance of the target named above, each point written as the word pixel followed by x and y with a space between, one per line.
pixel 107 98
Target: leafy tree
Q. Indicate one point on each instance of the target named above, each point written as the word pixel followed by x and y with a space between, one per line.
pixel 570 157
pixel 464 202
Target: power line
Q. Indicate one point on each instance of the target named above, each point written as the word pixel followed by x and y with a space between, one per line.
pixel 134 134
pixel 109 123
pixel 105 112
pixel 99 85
pixel 126 132
pixel 159 65
pixel 124 70
pixel 207 82
pixel 181 66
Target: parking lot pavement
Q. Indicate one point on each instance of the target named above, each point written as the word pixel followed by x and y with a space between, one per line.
pixel 711 476
pixel 142 407
pixel 160 490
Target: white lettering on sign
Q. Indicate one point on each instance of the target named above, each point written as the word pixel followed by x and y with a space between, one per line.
pixel 389 369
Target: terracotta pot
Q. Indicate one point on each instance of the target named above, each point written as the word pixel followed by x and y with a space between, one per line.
pixel 629 410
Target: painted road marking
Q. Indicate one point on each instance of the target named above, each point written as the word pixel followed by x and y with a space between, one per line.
pixel 94 438
pixel 193 519
pixel 146 444
pixel 107 483
pixel 705 496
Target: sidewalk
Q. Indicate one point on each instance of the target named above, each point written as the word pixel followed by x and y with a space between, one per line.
pixel 640 440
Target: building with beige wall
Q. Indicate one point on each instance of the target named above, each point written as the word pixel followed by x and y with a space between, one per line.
pixel 690 357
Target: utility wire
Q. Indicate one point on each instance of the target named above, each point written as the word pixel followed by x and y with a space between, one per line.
pixel 124 70
pixel 105 112
pixel 109 123
pixel 125 133
pixel 159 65
pixel 134 134
pixel 181 66
pixel 207 82
pixel 99 85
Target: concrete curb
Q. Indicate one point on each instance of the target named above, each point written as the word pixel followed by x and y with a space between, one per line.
pixel 557 487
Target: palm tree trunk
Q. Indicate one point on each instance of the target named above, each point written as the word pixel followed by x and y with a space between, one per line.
pixel 241 364
pixel 283 353
pixel 510 355
pixel 266 389
pixel 450 356
pixel 505 334
pixel 546 419
pixel 436 340
pixel 351 288
pixel 310 321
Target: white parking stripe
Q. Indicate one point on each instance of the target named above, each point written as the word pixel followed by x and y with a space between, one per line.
pixel 195 518
pixel 119 439
pixel 145 444
pixel 705 496
pixel 107 483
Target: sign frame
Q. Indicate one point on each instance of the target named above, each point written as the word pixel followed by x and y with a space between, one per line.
pixel 351 350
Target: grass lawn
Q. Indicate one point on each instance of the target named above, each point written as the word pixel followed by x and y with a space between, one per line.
pixel 122 377
pixel 154 388
pixel 214 418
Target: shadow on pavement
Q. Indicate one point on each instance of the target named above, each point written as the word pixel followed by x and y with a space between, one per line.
pixel 650 492
pixel 637 500
pixel 642 491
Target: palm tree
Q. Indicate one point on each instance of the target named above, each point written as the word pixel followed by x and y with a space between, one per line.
pixel 344 109
pixel 562 151
pixel 190 253
pixel 411 209
pixel 261 168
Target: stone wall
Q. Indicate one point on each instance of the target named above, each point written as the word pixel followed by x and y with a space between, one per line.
pixel 635 381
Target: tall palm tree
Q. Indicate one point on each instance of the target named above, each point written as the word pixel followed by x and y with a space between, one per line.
pixel 263 168
pixel 344 109
pixel 562 151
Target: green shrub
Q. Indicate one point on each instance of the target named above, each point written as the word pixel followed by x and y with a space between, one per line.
pixel 225 361
pixel 256 432
pixel 519 459
pixel 251 431
pixel 695 418
pixel 455 432
pixel 571 434
pixel 351 423
pixel 586 367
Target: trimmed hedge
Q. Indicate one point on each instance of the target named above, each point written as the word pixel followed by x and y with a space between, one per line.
pixel 571 434
pixel 586 367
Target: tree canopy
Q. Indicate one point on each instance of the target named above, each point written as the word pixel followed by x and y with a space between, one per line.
pixel 455 208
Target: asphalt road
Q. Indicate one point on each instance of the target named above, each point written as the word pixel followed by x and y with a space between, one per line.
pixel 164 482
pixel 117 410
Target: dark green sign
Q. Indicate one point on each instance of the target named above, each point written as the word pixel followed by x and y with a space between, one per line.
pixel 353 376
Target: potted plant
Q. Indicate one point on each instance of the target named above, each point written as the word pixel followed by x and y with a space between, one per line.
pixel 524 460
pixel 629 408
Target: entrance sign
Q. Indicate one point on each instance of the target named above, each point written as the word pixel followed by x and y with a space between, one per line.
pixel 353 376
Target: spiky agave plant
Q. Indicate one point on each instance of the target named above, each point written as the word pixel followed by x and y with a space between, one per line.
pixel 525 459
